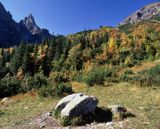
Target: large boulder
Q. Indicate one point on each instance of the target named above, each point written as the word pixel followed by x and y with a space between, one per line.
pixel 79 105
pixel 63 102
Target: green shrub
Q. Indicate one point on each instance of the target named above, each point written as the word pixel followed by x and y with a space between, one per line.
pixel 9 86
pixel 128 72
pixel 35 82
pixel 59 77
pixel 57 90
pixel 45 91
pixel 66 121
pixel 96 76
pixel 154 71
pixel 62 89
pixel 2 113
pixel 56 113
pixel 149 77
pixel 147 81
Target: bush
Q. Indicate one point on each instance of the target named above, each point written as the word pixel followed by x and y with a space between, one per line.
pixel 149 77
pixel 36 82
pixel 154 71
pixel 2 113
pixel 59 77
pixel 128 72
pixel 45 91
pixel 65 121
pixel 58 90
pixel 96 76
pixel 9 86
pixel 62 89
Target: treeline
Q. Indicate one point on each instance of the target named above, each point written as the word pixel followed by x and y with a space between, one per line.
pixel 64 58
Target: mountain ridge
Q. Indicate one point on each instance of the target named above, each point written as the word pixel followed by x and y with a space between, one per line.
pixel 144 13
pixel 12 32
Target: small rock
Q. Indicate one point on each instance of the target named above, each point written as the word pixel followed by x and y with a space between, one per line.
pixel 45 115
pixel 5 100
pixel 121 125
pixel 141 108
pixel 42 125
pixel 147 123
pixel 109 124
pixel 26 108
pixel 101 125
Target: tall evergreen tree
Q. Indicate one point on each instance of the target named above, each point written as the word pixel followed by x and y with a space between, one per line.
pixel 26 62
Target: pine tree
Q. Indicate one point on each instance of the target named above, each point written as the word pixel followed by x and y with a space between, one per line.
pixel 26 61
pixel 35 50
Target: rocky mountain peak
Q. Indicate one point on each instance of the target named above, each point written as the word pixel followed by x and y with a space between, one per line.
pixel 30 24
pixel 145 13
pixel 11 32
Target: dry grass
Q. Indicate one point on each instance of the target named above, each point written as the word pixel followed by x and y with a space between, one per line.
pixel 143 102
pixel 78 87
pixel 141 67
pixel 22 108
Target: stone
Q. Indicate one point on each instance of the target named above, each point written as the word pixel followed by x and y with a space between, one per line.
pixel 26 108
pixel 42 125
pixel 5 100
pixel 109 124
pixel 79 105
pixel 117 109
pixel 46 115
pixel 64 101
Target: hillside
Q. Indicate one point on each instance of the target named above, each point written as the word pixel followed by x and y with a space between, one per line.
pixel 80 53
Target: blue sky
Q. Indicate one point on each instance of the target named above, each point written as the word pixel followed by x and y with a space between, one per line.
pixel 70 16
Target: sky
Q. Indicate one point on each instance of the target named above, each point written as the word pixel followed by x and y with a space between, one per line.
pixel 71 16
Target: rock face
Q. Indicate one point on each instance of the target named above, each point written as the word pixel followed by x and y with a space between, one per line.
pixel 11 32
pixel 76 105
pixel 31 25
pixel 144 13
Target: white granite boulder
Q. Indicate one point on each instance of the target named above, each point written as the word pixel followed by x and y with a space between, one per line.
pixel 79 105
pixel 64 101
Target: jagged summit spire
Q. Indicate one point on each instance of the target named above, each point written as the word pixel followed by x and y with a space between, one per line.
pixel 30 16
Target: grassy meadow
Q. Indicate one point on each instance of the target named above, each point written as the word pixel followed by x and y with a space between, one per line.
pixel 144 103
